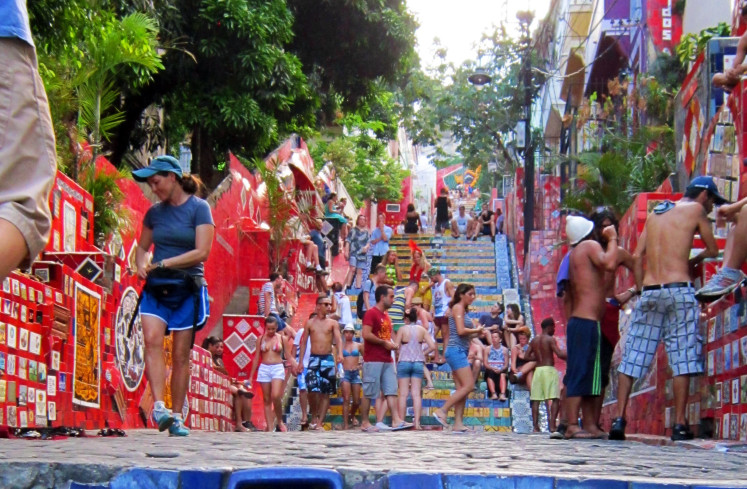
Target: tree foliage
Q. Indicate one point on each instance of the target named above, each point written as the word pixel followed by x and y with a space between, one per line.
pixel 481 121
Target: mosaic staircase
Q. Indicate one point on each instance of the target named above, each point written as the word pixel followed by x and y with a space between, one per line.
pixel 481 263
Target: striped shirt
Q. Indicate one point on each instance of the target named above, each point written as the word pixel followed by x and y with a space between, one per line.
pixel 397 311
pixel 267 287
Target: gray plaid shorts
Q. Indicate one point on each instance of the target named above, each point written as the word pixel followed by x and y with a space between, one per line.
pixel 671 315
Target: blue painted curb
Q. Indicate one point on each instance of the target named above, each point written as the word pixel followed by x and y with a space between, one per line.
pixel 287 476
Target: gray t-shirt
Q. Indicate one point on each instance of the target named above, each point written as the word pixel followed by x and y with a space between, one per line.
pixel 174 229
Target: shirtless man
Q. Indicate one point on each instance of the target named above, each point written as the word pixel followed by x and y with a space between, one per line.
pixel 730 77
pixel 667 308
pixel 587 264
pixel 546 381
pixel 326 349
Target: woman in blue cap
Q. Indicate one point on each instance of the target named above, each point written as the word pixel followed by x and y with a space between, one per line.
pixel 181 229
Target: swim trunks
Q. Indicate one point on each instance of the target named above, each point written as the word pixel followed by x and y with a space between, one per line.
pixel 321 375
pixel 669 314
pixel 545 384
pixel 583 370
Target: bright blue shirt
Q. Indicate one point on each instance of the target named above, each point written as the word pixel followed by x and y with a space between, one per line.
pixel 175 229
pixel 14 20
pixel 381 247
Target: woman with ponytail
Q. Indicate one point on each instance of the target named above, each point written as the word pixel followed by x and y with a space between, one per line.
pixel 180 228
pixel 456 355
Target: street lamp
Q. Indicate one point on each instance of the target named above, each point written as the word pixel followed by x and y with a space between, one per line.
pixel 479 78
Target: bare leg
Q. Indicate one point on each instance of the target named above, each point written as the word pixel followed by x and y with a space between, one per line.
pixel 681 386
pixel 394 409
pixel 624 385
pixel 404 387
pixel 267 401
pixel 315 399
pixel 735 251
pixel 572 405
pixel 349 276
pixel 13 249
pixel 345 405
pixel 365 411
pixel 323 407
pixel 356 402
pixel 549 404
pixel 454 229
pixel 277 402
pixel 381 408
pixel 463 384
pixel 155 364
pixel 428 378
pixel 491 388
pixel 535 416
pixel 476 366
pixel 554 411
pixel 587 412
pixel 503 387
pixel 303 398
pixel 417 401
pixel 237 409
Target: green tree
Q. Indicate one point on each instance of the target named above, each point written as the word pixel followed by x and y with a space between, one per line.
pixel 481 120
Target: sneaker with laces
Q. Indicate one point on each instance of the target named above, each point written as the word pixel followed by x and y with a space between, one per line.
pixel 178 428
pixel 719 285
pixel 617 430
pixel 681 432
pixel 162 417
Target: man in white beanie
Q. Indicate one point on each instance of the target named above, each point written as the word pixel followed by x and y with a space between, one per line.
pixel 587 264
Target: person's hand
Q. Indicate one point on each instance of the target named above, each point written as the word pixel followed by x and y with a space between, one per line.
pixel 609 233
pixel 390 345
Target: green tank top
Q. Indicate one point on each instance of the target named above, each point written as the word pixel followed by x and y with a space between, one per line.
pixel 391 273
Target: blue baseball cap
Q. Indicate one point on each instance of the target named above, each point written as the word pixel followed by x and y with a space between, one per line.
pixel 159 164
pixel 707 183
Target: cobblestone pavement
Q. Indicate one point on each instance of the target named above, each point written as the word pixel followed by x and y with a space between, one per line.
pixel 365 456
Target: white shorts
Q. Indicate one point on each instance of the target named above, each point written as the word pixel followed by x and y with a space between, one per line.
pixel 268 373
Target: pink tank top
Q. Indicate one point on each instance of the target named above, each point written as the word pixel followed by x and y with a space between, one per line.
pixel 411 351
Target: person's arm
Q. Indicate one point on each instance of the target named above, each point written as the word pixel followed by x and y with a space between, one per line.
pixel 367 335
pixel 268 303
pixel 287 349
pixel 141 254
pixel 303 343
pixel 529 353
pixel 562 354
pixel 638 257
pixel 737 67
pixel 461 328
pixel 514 356
pixel 337 338
pixel 485 360
pixel 450 289
pixel 729 212
pixel 605 259
pixel 255 362
pixel 220 368
pixel 706 234
pixel 505 355
pixel 366 293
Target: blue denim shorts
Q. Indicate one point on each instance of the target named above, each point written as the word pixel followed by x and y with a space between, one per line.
pixel 352 376
pixel 456 358
pixel 407 370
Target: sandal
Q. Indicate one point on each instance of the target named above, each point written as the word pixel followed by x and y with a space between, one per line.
pixel 370 429
pixel 441 421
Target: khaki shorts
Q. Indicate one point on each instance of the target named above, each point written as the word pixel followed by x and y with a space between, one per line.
pixel 28 160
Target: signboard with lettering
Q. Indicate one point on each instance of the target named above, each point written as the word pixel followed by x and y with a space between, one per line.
pixel 664 25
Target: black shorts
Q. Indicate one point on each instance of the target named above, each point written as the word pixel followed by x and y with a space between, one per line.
pixel 489 374
pixel 321 375
pixel 583 373
pixel 375 260
pixel 486 229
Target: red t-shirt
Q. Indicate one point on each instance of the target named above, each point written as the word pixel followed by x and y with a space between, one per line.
pixel 381 327
pixel 415 273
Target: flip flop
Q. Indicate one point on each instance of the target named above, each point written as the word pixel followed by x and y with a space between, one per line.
pixel 402 426
pixel 370 429
pixel 463 431
pixel 441 421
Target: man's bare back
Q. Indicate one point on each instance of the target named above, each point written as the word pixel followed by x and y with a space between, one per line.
pixel 321 333
pixel 544 347
pixel 666 242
